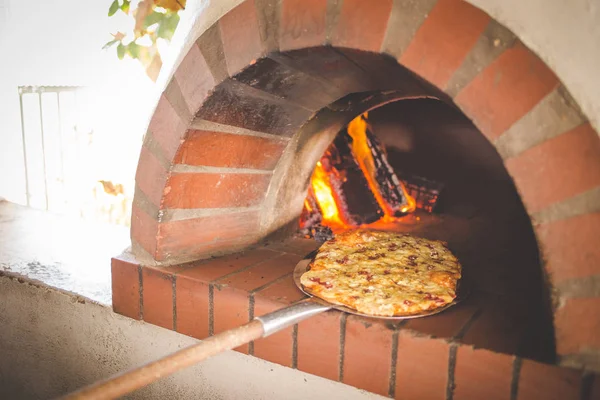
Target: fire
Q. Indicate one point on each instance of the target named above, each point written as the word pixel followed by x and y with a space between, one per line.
pixel 357 129
pixel 324 195
pixel 327 200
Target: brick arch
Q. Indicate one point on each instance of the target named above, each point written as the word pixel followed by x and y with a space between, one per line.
pixel 206 169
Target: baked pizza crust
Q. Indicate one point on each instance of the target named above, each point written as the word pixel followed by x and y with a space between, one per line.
pixel 384 273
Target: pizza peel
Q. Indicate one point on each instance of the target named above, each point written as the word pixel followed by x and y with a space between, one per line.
pixel 259 327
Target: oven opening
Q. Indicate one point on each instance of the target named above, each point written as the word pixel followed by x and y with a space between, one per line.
pixel 420 166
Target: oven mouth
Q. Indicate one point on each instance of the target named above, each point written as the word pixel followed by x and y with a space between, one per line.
pixel 460 194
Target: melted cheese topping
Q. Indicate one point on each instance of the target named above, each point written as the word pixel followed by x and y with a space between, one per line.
pixel 383 273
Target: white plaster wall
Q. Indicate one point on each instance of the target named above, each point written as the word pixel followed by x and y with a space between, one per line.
pixel 51 343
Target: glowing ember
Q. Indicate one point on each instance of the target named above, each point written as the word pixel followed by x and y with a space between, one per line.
pixel 392 199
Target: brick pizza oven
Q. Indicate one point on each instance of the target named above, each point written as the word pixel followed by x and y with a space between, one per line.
pixel 226 162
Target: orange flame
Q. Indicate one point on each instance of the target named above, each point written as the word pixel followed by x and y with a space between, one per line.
pixel 325 196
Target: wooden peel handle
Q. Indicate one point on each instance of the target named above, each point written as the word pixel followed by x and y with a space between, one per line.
pixel 137 378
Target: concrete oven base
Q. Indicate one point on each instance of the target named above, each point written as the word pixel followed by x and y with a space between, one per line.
pixel 53 342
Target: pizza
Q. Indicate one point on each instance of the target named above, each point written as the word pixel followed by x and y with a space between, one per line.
pixel 383 273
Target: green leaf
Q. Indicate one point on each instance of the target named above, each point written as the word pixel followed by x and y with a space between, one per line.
pixel 133 49
pixel 114 7
pixel 153 18
pixel 167 27
pixel 125 6
pixel 108 44
pixel 120 51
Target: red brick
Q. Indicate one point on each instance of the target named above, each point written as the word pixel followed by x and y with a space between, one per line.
pixel 444 40
pixel 217 149
pixel 302 24
pixel 500 327
pixel 231 309
pixel 482 374
pixel 208 190
pixel 125 287
pixel 284 292
pixel 570 247
pixel 210 270
pixel 194 79
pixel 558 168
pixel 298 246
pixel 319 345
pixel 548 382
pixel 151 176
pixel 144 229
pixel 506 90
pixel 362 24
pixel 166 127
pixel 421 368
pixel 192 238
pixel 191 302
pixel 448 323
pixel 241 37
pixel 262 273
pixel 157 297
pixel 367 355
pixel 577 325
pixel 278 347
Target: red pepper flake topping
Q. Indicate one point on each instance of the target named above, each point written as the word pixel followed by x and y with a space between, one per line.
pixel 412 258
pixel 407 302
pixel 387 272
pixel 343 260
pixel 318 280
pixel 437 299
pixel 376 256
pixel 367 274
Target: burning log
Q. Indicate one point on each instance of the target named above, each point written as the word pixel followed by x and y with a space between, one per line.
pixel 353 184
pixel 393 194
pixel 384 183
pixel 356 203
